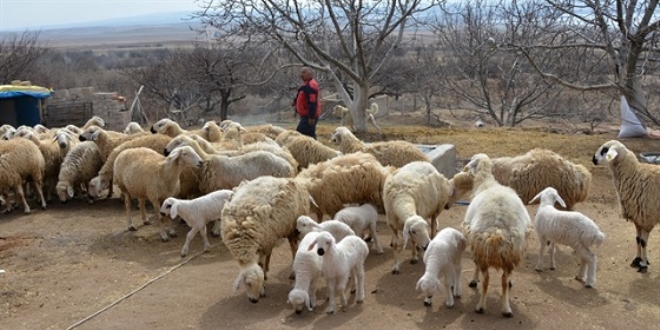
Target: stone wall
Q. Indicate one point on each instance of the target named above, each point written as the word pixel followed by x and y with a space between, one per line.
pixel 67 106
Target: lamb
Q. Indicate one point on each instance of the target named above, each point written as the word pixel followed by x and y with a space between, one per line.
pixel 338 229
pixel 392 153
pixel 353 178
pixel 443 257
pixel 341 261
pixel 532 172
pixel 569 228
pixel 307 267
pixel 260 212
pixel 79 166
pixel 496 225
pixel 197 213
pixel 347 119
pixel 411 194
pixel 145 174
pixel 637 186
pixel 133 128
pixel 21 159
pixel 360 219
pixel 307 151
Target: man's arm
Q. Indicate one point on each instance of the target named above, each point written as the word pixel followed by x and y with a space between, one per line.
pixel 312 101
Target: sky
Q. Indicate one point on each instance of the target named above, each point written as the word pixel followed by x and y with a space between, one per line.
pixel 22 14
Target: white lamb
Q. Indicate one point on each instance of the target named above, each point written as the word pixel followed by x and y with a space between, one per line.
pixel 569 228
pixel 443 257
pixel 337 229
pixel 307 265
pixel 360 219
pixel 197 213
pixel 341 261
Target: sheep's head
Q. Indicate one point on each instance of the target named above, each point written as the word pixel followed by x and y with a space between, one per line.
pixel 416 228
pixel 95 121
pixel 299 299
pixel 460 185
pixel 96 186
pixel 233 130
pixel 185 155
pixel 479 163
pixel 324 243
pixel 428 286
pixel 162 125
pixel 64 191
pixel 73 129
pixel 63 138
pixel 251 278
pixel 41 129
pixel 169 207
pixel 92 133
pixel 224 124
pixel 548 196
pixel 179 141
pixel 133 128
pixel 611 151
pixel 340 133
pixel 8 132
pixel 305 224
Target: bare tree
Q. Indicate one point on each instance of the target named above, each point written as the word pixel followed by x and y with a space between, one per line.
pixel 18 55
pixel 367 33
pixel 620 36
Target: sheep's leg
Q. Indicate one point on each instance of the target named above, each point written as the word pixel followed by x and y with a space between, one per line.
pixel 449 287
pixel 587 273
pixel 475 277
pixel 414 259
pixel 293 245
pixel 553 250
pixel 332 291
pixel 638 238
pixel 216 228
pixel 539 262
pixel 207 244
pixel 374 235
pixel 341 287
pixel 481 306
pixel 458 271
pixel 312 293
pixel 143 211
pixel 360 282
pixel 644 264
pixel 396 249
pixel 353 280
pixel 38 187
pixel 189 237
pixel 21 196
pixel 127 204
pixel 373 121
pixel 506 308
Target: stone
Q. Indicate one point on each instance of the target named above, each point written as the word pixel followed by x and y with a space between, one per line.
pixel 442 156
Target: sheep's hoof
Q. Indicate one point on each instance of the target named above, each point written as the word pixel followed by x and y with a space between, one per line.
pixel 395 271
pixel 367 239
pixel 479 310
pixel 473 284
pixel 27 211
pixel 359 301
pixel 254 301
pixel 164 238
pixel 636 262
pixel 214 234
pixel 353 291
pixel 553 268
pixel 507 314
pixel 539 270
pixel 449 305
pixel 589 286
pixel 298 311
pixel 172 234
pixel 643 269
pixel 577 278
pixel 413 261
pixel 510 284
pixel 132 228
pixel 427 303
pixel 331 311
pixel 292 276
pixel 147 222
pixel 43 207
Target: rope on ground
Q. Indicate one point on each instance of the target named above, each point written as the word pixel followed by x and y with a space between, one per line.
pixel 136 290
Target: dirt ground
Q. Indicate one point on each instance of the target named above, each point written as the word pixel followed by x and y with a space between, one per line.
pixel 66 263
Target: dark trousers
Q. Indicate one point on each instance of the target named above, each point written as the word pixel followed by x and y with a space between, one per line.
pixel 305 128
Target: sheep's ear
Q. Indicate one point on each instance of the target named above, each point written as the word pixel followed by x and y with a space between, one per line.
pixel 174 155
pixel 69 191
pixel 313 202
pixel 95 136
pixel 174 210
pixel 472 167
pixel 54 137
pixel 559 200
pixel 406 236
pixel 536 197
pixel 239 280
pixel 311 246
pixel 418 287
pixel 611 154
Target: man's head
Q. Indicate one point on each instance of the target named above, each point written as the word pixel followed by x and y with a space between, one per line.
pixel 306 73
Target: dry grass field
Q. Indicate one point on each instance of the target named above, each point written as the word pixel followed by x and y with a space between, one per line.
pixel 66 263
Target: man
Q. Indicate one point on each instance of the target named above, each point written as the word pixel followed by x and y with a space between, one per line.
pixel 307 103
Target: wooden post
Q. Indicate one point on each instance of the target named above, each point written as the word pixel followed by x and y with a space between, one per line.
pixel 136 101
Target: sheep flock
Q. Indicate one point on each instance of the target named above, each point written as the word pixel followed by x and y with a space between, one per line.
pixel 264 183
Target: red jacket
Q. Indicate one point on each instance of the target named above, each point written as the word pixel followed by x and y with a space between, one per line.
pixel 307 100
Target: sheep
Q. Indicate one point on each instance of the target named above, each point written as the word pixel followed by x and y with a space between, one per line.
pixel 155 142
pixel 133 128
pixel 197 213
pixel 569 228
pixel 268 130
pixel 338 229
pixel 234 132
pixel 307 267
pixel 353 178
pixel 79 166
pixel 66 140
pixel 211 132
pixel 637 187
pixel 443 256
pixel 168 127
pixel 393 153
pixel 359 219
pixel 532 172
pixel 411 194
pixel 260 212
pixel 105 140
pixel 340 261
pixel 307 151
pixel 53 159
pixel 39 129
pixel 73 129
pixel 21 159
pixel 347 119
pixel 287 136
pixel 94 121
pixel 6 128
pixel 496 224
pixel 145 174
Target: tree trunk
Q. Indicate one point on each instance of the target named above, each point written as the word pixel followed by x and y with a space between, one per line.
pixel 358 108
pixel 224 108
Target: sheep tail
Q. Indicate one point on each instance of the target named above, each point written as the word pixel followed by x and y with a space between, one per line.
pixel 495 250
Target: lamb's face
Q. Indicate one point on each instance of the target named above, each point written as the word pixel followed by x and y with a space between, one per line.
pixel 324 243
pixel 298 300
pixel 428 287
pixel 417 229
pixel 304 225
pixel 252 279
pixel 166 208
pixel 615 149
pixel 96 186
pixel 338 135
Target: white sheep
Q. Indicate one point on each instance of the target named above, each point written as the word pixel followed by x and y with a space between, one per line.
pixel 341 261
pixel 395 153
pixel 361 218
pixel 260 212
pixel 412 194
pixel 443 257
pixel 308 268
pixel 569 228
pixel 145 174
pixel 21 159
pixel 347 119
pixel 132 128
pixel 496 225
pixel 94 121
pixel 637 186
pixel 197 213
pixel 79 166
pixel 338 230
pixel 307 150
